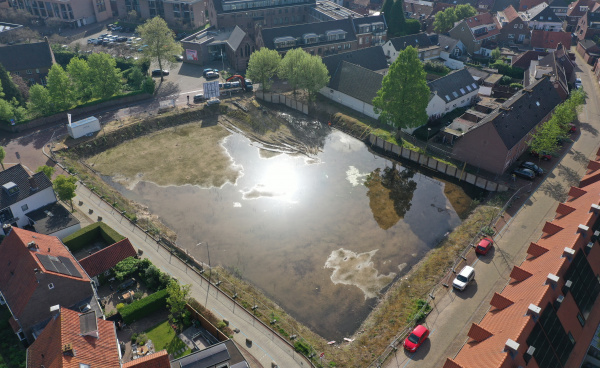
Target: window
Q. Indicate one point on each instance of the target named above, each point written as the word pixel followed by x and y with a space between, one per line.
pixel 37 71
pixel 581 319
pixel 360 41
pixel 571 338
pixel 521 26
pixel 516 25
pixel 29 71
pixel 50 286
pixel 511 36
pixel 24 207
pixel 17 73
pixel 21 335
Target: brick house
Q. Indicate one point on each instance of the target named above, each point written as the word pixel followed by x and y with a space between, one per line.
pixel 513 28
pixel 578 9
pixel 70 13
pixel 557 66
pixel 548 40
pixel 38 272
pixel 191 13
pixel 541 17
pixel 548 312
pixel 105 259
pixel 474 31
pixel 589 51
pixel 588 26
pixel 30 61
pixel 498 140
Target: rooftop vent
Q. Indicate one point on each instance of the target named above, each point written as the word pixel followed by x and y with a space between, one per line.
pixel 67 349
pixel 511 346
pixel 33 184
pixel 527 356
pixel 583 228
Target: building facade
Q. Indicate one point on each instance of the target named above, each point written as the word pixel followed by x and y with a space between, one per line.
pixel 72 13
pixel 30 61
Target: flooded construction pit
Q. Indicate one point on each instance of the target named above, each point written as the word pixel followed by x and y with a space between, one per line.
pixel 322 236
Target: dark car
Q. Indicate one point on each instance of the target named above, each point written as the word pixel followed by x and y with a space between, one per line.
pixel 524 173
pixel 199 98
pixel 533 167
pixel 121 39
pixel 156 72
pixel 484 246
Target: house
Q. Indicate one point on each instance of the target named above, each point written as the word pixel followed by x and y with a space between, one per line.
pixel 499 139
pixel 223 354
pixel 560 8
pixel 372 58
pixel 38 272
pixel 548 40
pixel 588 26
pixel 577 10
pixel 71 14
pixel 548 312
pixel 159 359
pixel 524 60
pixel 552 67
pixel 525 5
pixel 420 41
pixel 474 31
pixel 455 90
pixel 30 61
pixel 105 259
pixel 326 10
pixel 485 5
pixel 596 70
pixel 21 194
pixel 75 339
pixel 209 45
pixel 451 50
pixel 589 51
pixel 418 9
pixel 53 219
pixel 541 17
pixel 370 30
pixel 514 28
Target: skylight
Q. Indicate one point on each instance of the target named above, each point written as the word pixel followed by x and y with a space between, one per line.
pixel 448 98
pixel 474 86
pixel 462 90
pixel 455 94
pixel 469 88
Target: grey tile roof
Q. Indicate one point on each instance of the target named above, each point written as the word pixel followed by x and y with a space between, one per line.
pixel 26 56
pixel 298 30
pixel 209 357
pixel 236 38
pixel 547 14
pixel 52 218
pixel 454 85
pixel 356 81
pixel 522 112
pixel 218 4
pixel 418 40
pixel 372 58
pixel 18 175
pixel 368 20
pixel 447 43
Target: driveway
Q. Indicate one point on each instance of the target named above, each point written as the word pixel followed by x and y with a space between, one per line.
pixel 454 312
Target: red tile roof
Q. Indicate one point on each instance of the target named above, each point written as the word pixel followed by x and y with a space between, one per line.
pixel 18 264
pixel 549 40
pixel 97 352
pixel 107 258
pixel 479 20
pixel 157 360
pixel 514 322
pixel 510 13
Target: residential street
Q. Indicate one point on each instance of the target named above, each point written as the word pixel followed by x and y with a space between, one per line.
pixel 454 312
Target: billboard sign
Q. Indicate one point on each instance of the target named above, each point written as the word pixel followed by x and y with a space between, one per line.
pixel 211 89
pixel 191 54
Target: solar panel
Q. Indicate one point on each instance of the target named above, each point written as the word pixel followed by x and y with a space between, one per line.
pixel 47 262
pixel 70 266
pixel 59 264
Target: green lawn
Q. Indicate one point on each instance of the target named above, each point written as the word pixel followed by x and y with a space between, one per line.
pixel 163 337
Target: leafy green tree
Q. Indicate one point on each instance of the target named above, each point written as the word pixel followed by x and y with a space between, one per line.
pixel 2 156
pixel 8 86
pixel 263 65
pixel 81 76
pixel 136 77
pixel 412 26
pixel 496 53
pixel 60 88
pixel 387 10
pixel 545 139
pixel 105 77
pixel 398 23
pixel 176 301
pixel 148 85
pixel 464 11
pixel 40 102
pixel 126 267
pixel 47 170
pixel 404 94
pixel 161 42
pixel 290 67
pixel 314 75
pixel 65 186
pixel 444 20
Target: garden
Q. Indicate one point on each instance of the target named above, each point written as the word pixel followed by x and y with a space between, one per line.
pixel 12 351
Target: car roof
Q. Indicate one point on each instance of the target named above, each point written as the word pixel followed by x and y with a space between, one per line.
pixel 487 240
pixel 419 330
pixel 467 270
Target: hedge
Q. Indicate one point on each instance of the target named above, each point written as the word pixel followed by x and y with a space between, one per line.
pixel 505 69
pixel 143 307
pixel 84 237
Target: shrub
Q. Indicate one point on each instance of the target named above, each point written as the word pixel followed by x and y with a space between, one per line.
pixel 302 347
pixel 142 339
pixel 516 85
pixel 508 70
pixel 436 67
pixel 84 237
pixel 144 307
pixel 134 337
pixel 120 305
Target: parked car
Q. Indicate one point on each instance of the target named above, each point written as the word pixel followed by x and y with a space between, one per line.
pixel 207 70
pixel 92 41
pixel 464 277
pixel 572 128
pixel 578 83
pixel 178 57
pixel 211 75
pixel 213 101
pixel 484 246
pixel 533 167
pixel 543 155
pixel 156 72
pixel 121 39
pixel 227 85
pixel 524 173
pixel 416 338
pixel 199 98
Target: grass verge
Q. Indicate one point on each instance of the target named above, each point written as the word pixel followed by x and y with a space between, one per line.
pixel 164 337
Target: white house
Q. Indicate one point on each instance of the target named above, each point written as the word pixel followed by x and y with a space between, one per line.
pixel 457 89
pixel 542 17
pixel 21 195
pixel 420 41
pixel 450 49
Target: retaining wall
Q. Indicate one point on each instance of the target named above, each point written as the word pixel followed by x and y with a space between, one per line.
pixel 283 99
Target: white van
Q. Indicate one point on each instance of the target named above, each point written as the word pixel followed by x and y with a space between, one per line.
pixel 464 277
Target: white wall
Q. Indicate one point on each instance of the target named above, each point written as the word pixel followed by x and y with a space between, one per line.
pixel 451 63
pixel 349 101
pixel 33 202
pixel 390 51
pixel 437 105
pixel 66 232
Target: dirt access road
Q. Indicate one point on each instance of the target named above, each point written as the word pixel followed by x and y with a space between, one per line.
pixel 454 312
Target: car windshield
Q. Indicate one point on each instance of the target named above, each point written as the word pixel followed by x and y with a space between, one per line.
pixel 461 278
pixel 413 338
pixel 481 247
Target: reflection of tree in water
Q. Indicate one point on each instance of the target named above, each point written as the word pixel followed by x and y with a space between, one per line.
pixel 390 194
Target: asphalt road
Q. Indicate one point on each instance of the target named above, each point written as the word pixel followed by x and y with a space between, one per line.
pixel 454 312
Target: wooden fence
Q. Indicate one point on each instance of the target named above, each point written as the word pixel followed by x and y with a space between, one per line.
pixel 282 99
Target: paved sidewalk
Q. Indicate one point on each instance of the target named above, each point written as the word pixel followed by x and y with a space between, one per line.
pixel 453 313
pixel 265 347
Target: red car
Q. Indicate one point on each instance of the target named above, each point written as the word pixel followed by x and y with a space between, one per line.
pixel 543 155
pixel 572 128
pixel 484 246
pixel 416 338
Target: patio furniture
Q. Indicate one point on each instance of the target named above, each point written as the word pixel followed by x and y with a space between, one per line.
pixel 143 350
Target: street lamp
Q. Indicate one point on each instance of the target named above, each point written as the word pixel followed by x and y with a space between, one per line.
pixel 427 142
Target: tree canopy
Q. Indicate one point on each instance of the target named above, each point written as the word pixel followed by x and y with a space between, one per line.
pixel 404 94
pixel 47 170
pixel 176 301
pixel 263 65
pixel 60 88
pixel 65 186
pixel 444 20
pixel 161 42
pixel 303 70
pixel 9 88
pixel 105 77
pixel 290 67
pixel 2 156
pixel 397 23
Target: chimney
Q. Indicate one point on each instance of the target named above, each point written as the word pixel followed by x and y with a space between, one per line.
pixel 568 253
pixel 512 347
pixel 32 184
pixel 552 280
pixel 533 310
pixel 7 228
pixel 32 245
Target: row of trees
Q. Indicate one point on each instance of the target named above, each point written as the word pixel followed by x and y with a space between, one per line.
pixel 444 20
pixel 301 69
pixel 547 137
pixel 398 25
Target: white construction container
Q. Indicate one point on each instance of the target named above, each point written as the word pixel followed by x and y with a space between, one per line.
pixel 83 127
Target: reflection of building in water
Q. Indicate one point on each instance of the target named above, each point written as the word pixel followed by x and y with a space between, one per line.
pixel 390 194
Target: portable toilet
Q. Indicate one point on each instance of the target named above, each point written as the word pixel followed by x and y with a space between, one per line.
pixel 83 127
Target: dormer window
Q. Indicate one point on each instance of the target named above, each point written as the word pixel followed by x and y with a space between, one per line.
pixel 50 286
pixel 10 188
pixel 282 42
pixel 583 9
pixel 310 38
pixel 336 34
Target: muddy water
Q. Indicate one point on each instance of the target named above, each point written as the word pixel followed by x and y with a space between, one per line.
pixel 320 236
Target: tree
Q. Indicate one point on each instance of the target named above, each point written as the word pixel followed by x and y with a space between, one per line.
pixel 65 186
pixel 60 88
pixel 21 86
pixel 161 42
pixel 80 73
pixel 396 27
pixel 545 139
pixel 126 267
pixel 263 65
pixel 47 170
pixel 314 74
pixel 496 53
pixel 2 156
pixel 176 301
pixel 9 88
pixel 148 85
pixel 105 77
pixel 136 77
pixel 412 26
pixel 40 102
pixel 404 94
pixel 290 67
pixel 464 11
pixel 387 10
pixel 444 20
